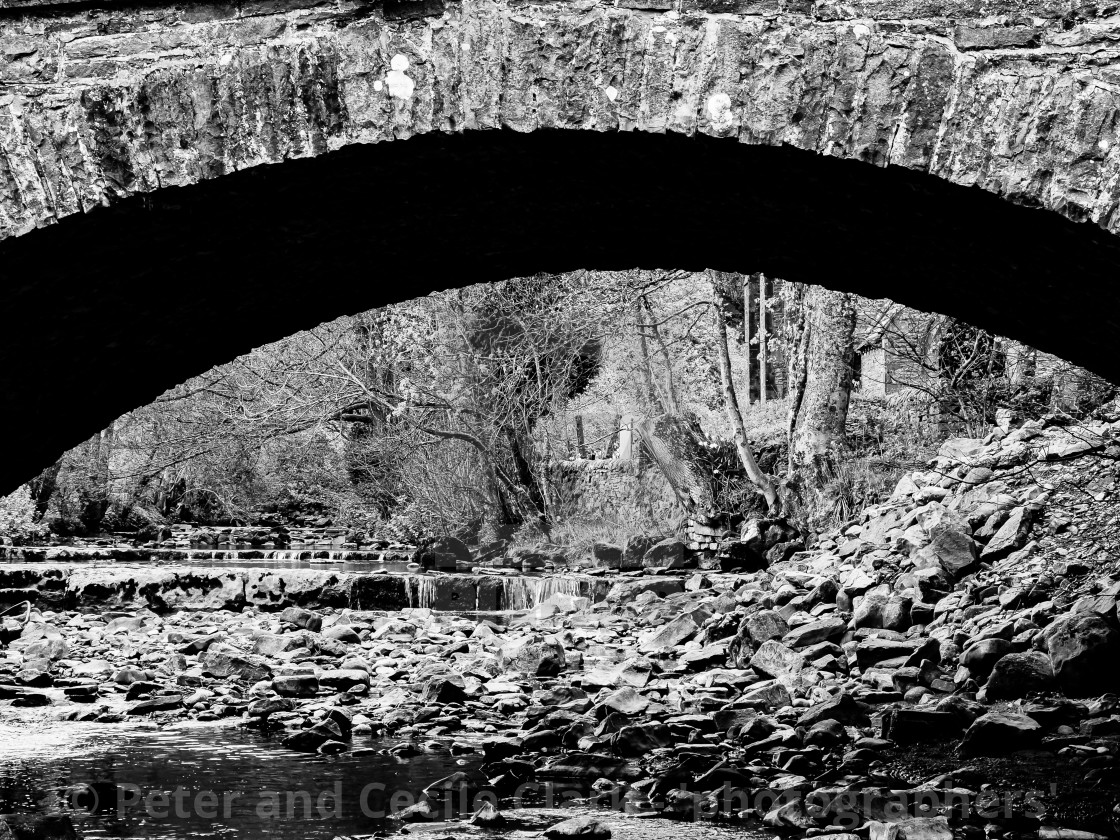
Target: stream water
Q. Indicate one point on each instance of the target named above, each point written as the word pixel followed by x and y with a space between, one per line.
pixel 206 782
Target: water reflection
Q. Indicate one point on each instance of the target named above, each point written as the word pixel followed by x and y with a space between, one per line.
pixel 207 783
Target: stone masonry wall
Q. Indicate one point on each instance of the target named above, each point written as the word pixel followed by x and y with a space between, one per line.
pixel 616 490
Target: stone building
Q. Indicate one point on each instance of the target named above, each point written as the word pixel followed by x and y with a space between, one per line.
pixel 896 347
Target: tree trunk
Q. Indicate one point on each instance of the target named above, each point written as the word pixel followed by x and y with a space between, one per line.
pixel 763 334
pixel 645 363
pixel 731 405
pixel 747 295
pixel 528 481
pixel 670 400
pixel 779 370
pixel 581 447
pixel 43 486
pixel 1019 362
pixel 94 496
pixel 820 383
pixel 674 445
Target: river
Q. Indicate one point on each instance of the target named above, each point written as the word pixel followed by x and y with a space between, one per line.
pixel 202 781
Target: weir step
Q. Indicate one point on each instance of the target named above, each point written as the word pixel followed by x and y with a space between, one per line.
pixel 203 588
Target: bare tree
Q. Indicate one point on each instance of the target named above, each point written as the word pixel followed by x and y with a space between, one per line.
pixel 822 325
pixel 731 404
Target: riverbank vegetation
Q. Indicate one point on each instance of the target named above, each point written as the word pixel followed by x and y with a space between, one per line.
pixel 446 414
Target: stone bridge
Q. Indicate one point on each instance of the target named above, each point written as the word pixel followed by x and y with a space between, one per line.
pixel 958 156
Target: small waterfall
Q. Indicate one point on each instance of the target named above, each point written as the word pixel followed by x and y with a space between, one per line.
pixel 520 593
pixel 422 592
pixel 524 593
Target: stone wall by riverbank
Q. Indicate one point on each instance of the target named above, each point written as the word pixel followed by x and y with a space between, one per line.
pixel 623 491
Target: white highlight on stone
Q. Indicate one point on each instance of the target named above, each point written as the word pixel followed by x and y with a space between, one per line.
pixel 400 85
pixel 378 85
pixel 861 31
pixel 719 111
pixel 612 93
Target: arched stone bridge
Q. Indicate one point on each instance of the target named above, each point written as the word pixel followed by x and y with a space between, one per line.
pixel 959 156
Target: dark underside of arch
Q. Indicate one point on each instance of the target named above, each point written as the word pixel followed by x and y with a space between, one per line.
pixel 104 311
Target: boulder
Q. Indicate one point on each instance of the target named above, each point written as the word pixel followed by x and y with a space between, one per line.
pixel 634 672
pixel 304 619
pixel 1011 536
pixel 165 703
pixel 124 624
pixel 625 701
pixel 706 657
pixel 1104 604
pixel 444 688
pixel 823 630
pixel 343 679
pixel 1000 732
pixel 918 726
pixel 777 553
pixel 870 610
pixel 776 661
pixel 667 554
pixel 591 766
pixel 872 651
pixel 274 644
pixel 343 633
pixel 265 706
pixel 488 816
pixel 877 528
pixel 423 811
pixel 790 816
pixel 445 552
pixel 840 707
pixel 202 643
pixel 960 450
pixel 980 657
pixel 764 626
pixel 528 559
pixel 1019 674
pixel 627 590
pixel 1084 652
pixel 635 551
pixel 47 649
pixel 128 676
pixel 953 549
pixel 225 662
pixel 896 613
pixel 313 738
pixel 586 828
pixel 533 656
pixel 606 555
pixel 921 828
pixel 769 693
pixel 640 740
pixel 672 634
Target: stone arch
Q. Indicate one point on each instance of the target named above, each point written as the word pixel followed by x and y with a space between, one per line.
pixel 540 137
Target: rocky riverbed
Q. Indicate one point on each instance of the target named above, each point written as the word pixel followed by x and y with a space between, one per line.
pixel 944 665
